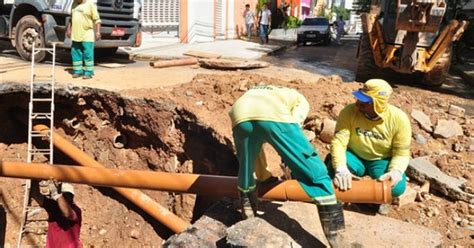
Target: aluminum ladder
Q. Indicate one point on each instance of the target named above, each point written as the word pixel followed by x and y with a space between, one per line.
pixel 41 111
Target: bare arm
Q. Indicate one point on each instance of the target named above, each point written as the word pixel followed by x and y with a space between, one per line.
pixel 66 209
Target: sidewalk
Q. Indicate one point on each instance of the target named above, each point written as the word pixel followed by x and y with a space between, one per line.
pixel 155 48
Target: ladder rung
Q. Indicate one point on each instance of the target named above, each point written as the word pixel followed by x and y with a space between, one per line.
pixel 42 82
pixel 41 99
pixel 41 115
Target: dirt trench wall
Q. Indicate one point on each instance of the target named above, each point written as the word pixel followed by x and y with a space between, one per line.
pixel 119 133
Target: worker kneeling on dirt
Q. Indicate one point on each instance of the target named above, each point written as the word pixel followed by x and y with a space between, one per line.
pixel 372 138
pixel 64 217
pixel 274 115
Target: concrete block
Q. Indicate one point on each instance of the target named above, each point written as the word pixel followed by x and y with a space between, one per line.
pixel 447 129
pixel 456 110
pixel 422 170
pixel 422 119
pixel 256 232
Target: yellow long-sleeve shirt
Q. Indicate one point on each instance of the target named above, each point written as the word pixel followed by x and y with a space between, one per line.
pixel 389 136
pixel 83 18
pixel 270 103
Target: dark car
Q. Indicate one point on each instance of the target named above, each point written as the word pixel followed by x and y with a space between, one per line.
pixel 314 29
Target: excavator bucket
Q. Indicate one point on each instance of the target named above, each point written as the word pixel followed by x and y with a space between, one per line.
pixel 420 15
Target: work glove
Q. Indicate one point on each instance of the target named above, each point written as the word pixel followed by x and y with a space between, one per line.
pixel 343 178
pixel 50 189
pixel 44 188
pixel 394 175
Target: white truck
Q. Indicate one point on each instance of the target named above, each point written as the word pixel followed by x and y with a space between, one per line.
pixel 44 22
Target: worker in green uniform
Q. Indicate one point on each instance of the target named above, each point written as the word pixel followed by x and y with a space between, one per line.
pixel 372 138
pixel 84 30
pixel 270 114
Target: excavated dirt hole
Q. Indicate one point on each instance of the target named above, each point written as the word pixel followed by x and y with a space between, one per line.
pixel 119 133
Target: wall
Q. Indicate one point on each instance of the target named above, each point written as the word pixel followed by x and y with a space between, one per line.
pixel 239 22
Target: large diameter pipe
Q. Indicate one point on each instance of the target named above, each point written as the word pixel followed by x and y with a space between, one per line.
pixel 141 200
pixel 362 191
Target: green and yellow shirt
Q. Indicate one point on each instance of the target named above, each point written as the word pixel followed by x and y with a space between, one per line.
pixel 387 137
pixel 84 16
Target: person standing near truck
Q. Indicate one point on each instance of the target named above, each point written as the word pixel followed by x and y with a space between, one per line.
pixel 84 21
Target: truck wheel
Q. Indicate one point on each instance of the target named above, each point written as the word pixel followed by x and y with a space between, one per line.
pixel 105 52
pixel 437 75
pixel 29 30
pixel 366 67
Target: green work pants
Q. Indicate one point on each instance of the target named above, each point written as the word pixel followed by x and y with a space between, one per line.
pixel 375 168
pixel 296 151
pixel 82 54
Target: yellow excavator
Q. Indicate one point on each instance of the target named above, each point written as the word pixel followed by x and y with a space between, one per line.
pixel 407 36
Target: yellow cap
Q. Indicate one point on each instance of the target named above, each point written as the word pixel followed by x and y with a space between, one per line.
pixel 379 91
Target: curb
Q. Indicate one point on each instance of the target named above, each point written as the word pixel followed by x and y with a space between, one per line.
pixel 466 73
pixel 281 48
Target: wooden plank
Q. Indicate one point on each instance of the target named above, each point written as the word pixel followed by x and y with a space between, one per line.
pixel 227 64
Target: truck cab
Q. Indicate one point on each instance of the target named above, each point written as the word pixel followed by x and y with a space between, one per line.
pixel 43 22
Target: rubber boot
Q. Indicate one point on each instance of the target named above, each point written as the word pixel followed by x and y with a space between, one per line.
pixel 332 221
pixel 248 204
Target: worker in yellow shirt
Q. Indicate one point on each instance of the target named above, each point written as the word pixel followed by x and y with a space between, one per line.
pixel 274 115
pixel 84 18
pixel 372 138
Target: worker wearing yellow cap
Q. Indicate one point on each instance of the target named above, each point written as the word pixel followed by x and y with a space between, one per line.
pixel 270 114
pixel 372 138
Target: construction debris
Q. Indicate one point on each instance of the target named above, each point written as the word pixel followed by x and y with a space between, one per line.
pixel 456 110
pixel 447 129
pixel 422 170
pixel 227 64
pixel 173 62
pixel 423 120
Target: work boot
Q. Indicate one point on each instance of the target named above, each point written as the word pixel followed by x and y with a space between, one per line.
pixel 332 221
pixel 248 204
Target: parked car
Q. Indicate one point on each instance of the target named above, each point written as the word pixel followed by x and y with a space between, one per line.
pixel 314 29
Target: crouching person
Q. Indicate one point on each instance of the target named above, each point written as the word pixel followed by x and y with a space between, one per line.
pixel 372 138
pixel 270 114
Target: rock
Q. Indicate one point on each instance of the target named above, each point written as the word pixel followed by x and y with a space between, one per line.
pixel 310 135
pixel 208 230
pixel 420 139
pixel 464 223
pixel 102 232
pixel 456 110
pixel 189 93
pixel 313 123
pixel 328 130
pixel 135 234
pixel 458 147
pixel 408 197
pixel 254 232
pixel 199 103
pixel 423 120
pixel 81 101
pixel 457 219
pixel 336 109
pixel 423 192
pixel 447 128
pixel 422 170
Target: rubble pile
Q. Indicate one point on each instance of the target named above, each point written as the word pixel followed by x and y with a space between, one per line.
pixel 443 136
